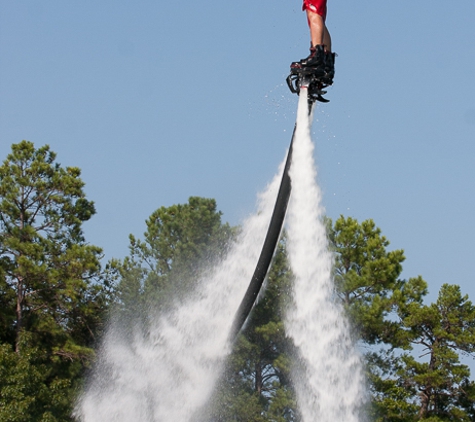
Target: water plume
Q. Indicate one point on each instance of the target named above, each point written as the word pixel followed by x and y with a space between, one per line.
pixel 167 372
pixel 328 371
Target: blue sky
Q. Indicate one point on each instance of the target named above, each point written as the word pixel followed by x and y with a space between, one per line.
pixel 158 101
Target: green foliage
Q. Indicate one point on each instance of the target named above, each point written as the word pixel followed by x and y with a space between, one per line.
pixel 442 331
pixel 392 400
pixel 30 390
pixel 181 241
pixel 52 302
pixel 367 279
pixel 389 311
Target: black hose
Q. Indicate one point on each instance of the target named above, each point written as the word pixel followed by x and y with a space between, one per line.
pixel 270 243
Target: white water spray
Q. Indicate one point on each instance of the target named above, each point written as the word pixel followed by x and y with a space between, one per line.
pixel 329 380
pixel 169 374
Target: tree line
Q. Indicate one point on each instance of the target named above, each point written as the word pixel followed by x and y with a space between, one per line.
pixel 56 293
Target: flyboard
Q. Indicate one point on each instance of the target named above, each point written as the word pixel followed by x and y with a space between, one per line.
pixel 314 81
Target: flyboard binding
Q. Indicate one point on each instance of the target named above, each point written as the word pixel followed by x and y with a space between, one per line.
pixel 315 79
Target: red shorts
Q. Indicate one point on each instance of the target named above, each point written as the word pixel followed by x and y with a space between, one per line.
pixel 316 6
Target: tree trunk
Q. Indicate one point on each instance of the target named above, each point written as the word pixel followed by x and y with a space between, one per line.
pixel 19 313
pixel 424 404
pixel 258 380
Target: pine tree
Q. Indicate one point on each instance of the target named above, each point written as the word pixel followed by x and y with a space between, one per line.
pixel 181 241
pixel 49 282
pixel 440 332
pixel 416 373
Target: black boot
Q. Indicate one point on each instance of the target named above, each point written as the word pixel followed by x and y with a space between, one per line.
pixel 315 60
pixel 329 59
pixel 316 57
